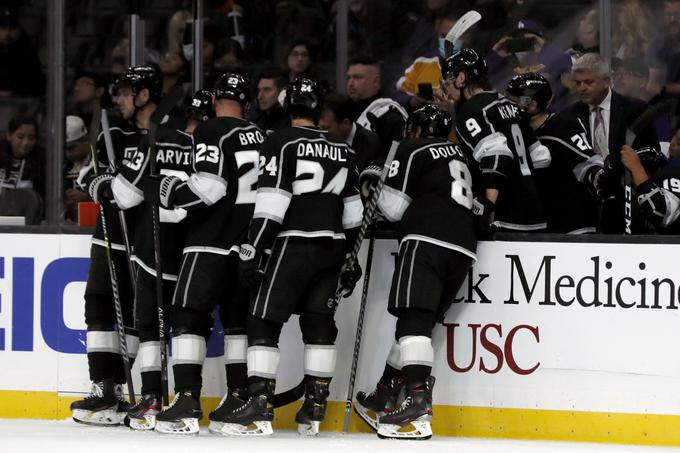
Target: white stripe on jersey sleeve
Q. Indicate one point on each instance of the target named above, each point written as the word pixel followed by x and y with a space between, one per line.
pixel 207 186
pixel 581 170
pixel 393 203
pixel 352 212
pixel 125 193
pixel 271 204
pixel 540 155
pixel 492 145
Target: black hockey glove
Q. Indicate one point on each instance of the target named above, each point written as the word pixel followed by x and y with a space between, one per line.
pixel 368 178
pixel 484 211
pixel 250 272
pixel 605 183
pixel 100 188
pixel 349 276
pixel 390 127
pixel 160 190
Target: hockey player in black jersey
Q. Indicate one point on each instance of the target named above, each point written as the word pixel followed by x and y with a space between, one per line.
pixel 219 197
pixel 173 157
pixel 428 193
pixel 138 92
pixel 496 134
pixel 306 211
pixel 657 185
pixel 568 187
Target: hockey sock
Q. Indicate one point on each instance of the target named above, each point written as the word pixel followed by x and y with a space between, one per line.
pixel 103 355
pixel 393 364
pixel 320 360
pixel 235 359
pixel 188 354
pixel 150 367
pixel 417 356
pixel 263 363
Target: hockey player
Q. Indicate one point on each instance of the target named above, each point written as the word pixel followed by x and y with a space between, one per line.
pixel 173 157
pixel 307 202
pixel 569 185
pixel 219 197
pixel 495 132
pixel 428 191
pixel 657 185
pixel 138 92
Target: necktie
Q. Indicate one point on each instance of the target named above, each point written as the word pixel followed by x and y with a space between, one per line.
pixel 600 144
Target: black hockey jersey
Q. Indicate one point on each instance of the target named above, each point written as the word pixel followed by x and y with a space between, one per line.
pixel 659 199
pixel 428 190
pixel 307 187
pixel 497 135
pixel 570 205
pixel 125 138
pixel 220 194
pixel 173 157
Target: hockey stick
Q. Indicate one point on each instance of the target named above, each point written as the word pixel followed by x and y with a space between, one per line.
pixel 644 120
pixel 360 327
pixel 462 25
pixel 120 326
pixel 121 215
pixel 163 109
pixel 293 394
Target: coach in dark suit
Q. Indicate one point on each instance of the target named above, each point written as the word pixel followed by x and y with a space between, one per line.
pixel 606 116
pixel 336 118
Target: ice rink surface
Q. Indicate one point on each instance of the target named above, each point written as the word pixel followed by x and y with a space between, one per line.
pixel 31 436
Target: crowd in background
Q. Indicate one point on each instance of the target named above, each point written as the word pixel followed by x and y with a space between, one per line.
pixel 273 41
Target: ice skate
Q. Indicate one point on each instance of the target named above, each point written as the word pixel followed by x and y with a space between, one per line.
pixel 411 420
pixel 254 417
pixel 142 416
pixel 181 417
pixel 230 401
pixel 102 407
pixel 313 409
pixel 381 400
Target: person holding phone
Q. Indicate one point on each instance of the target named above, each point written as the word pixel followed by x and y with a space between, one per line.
pixel 526 49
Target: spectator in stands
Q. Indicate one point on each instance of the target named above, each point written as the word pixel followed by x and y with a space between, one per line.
pixel 633 28
pixel 587 37
pixel 176 28
pixel 423 39
pixel 526 49
pixel 297 60
pixel 77 157
pixel 230 56
pixel 662 56
pixel 89 93
pixel 630 77
pixel 174 70
pixel 297 19
pixel 363 84
pixel 20 72
pixel 369 27
pixel 268 114
pixel 21 171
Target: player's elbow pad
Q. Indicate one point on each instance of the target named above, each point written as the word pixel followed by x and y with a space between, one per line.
pixel 352 213
pixel 540 155
pixel 393 203
pixel 125 193
pixel 208 187
pixel 271 204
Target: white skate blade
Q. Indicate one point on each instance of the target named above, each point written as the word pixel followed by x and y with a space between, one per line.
pixel 420 429
pixel 107 417
pixel 184 426
pixel 143 424
pixel 215 427
pixel 259 428
pixel 309 430
pixel 370 417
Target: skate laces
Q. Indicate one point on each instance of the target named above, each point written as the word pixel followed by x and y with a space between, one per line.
pixel 405 405
pixel 97 391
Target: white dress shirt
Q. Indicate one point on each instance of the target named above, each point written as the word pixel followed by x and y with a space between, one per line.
pixel 606 106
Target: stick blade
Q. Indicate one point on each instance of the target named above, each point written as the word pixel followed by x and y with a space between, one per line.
pixel 462 25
